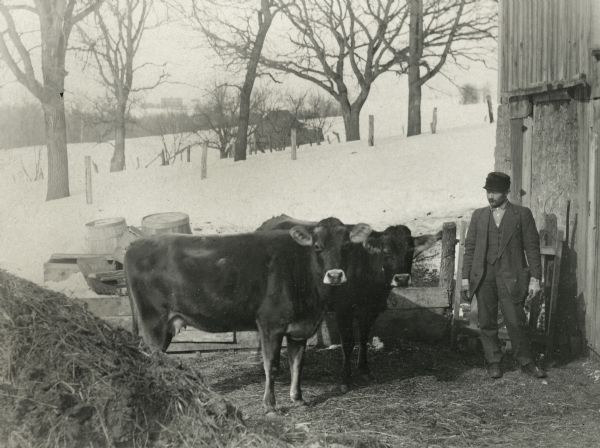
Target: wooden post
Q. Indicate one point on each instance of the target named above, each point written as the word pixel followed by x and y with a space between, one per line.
pixel 433 123
pixel 488 98
pixel 371 141
pixel 293 143
pixel 88 179
pixel 203 160
pixel 189 154
pixel 462 231
pixel 448 259
pixel 337 135
pixel 328 139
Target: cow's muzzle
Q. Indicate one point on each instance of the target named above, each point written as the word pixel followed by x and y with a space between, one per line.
pixel 401 280
pixel 335 277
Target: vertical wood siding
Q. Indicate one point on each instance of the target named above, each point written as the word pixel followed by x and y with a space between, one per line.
pixel 543 42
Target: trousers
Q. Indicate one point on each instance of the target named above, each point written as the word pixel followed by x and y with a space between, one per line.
pixel 492 293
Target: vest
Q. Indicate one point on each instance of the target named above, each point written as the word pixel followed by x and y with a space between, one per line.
pixel 494 240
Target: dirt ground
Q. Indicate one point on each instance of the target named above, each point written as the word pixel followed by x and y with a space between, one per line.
pixel 421 396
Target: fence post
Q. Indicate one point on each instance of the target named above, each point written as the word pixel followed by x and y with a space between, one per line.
pixel 462 231
pixel 203 160
pixel 488 98
pixel 433 123
pixel 189 154
pixel 88 180
pixel 371 130
pixel 448 259
pixel 293 143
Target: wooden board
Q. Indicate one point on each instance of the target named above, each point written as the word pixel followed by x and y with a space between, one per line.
pixel 418 297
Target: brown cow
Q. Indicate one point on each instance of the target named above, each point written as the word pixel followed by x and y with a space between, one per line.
pixel 276 282
pixel 376 264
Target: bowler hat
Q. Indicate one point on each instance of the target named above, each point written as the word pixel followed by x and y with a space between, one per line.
pixel 497 181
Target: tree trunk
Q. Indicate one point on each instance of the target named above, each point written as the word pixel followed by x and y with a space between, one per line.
pixel 415 45
pixel 265 17
pixel 56 142
pixel 351 117
pixel 241 140
pixel 414 108
pixel 117 162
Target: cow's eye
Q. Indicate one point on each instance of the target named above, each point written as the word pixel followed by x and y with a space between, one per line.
pixel 318 247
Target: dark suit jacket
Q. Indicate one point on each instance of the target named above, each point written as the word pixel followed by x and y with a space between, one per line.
pixel 520 239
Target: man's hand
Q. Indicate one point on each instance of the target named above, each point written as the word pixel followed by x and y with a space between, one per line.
pixel 534 289
pixel 465 291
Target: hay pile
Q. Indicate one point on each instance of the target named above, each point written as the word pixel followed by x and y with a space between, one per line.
pixel 69 379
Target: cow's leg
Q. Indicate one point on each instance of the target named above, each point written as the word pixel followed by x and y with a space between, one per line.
pixel 295 350
pixel 365 323
pixel 270 344
pixel 344 322
pixel 277 362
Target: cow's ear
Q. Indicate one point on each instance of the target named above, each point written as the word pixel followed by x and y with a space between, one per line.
pixel 374 244
pixel 424 242
pixel 301 235
pixel 360 233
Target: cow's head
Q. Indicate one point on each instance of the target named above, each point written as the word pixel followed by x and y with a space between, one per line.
pixel 392 252
pixel 330 242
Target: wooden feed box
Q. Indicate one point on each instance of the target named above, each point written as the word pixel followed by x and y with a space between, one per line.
pixel 170 222
pixel 103 234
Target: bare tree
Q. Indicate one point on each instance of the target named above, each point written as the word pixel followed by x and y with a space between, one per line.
pixel 56 21
pixel 220 115
pixel 121 25
pixel 238 41
pixel 442 30
pixel 339 46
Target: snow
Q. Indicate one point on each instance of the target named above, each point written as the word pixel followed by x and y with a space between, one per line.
pixel 420 181
pixel 74 286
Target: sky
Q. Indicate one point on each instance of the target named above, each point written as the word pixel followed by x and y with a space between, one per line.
pixel 193 67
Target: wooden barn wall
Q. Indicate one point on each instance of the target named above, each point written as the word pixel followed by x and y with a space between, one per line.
pixel 543 42
pixel 592 293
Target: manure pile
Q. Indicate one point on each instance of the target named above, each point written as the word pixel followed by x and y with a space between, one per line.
pixel 68 379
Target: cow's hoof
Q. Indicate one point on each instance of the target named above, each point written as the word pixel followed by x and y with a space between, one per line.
pixel 344 388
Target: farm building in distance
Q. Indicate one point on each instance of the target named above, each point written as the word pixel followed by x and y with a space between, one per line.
pixel 547 139
pixel 274 128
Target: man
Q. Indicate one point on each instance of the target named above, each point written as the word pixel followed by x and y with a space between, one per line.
pixel 502 267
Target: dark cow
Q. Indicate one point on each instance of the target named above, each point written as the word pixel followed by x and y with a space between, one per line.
pixel 376 264
pixel 276 282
